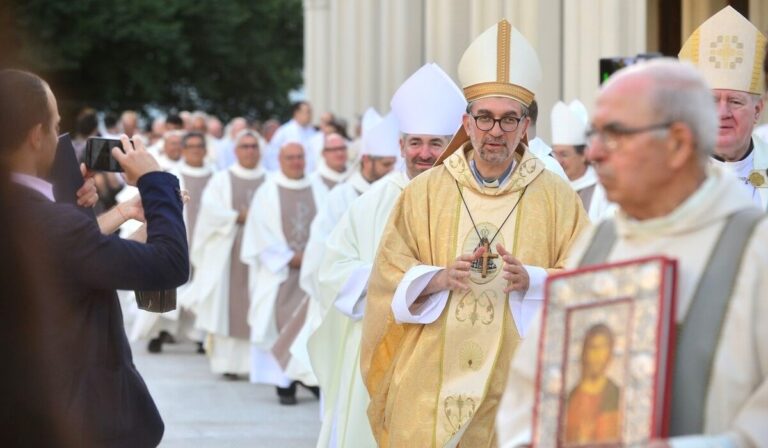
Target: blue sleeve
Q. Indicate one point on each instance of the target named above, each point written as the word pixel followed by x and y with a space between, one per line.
pixel 99 261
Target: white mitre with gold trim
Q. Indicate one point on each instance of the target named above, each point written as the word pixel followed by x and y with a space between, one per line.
pixel 500 62
pixel 729 51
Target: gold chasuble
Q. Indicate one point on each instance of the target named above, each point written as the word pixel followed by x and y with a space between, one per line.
pixel 440 384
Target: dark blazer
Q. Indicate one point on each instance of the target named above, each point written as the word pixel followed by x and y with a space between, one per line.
pixel 106 401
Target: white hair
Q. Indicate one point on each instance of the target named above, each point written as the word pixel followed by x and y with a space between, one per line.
pixel 680 94
pixel 174 133
pixel 246 133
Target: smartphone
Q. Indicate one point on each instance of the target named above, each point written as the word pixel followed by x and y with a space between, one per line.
pixel 98 154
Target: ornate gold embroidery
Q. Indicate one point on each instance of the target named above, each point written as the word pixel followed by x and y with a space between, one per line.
pixel 726 52
pixel 458 410
pixel 476 309
pixel 471 356
pixel 502 51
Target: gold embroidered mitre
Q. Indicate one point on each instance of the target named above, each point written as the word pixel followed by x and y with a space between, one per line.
pixel 728 50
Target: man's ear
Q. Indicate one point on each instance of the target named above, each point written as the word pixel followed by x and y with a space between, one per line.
pixel 760 104
pixel 681 145
pixel 465 122
pixel 35 136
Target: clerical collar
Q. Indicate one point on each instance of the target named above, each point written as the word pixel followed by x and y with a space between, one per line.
pixel 495 183
pixel 34 183
pixel 195 171
pixel 246 173
pixel 746 154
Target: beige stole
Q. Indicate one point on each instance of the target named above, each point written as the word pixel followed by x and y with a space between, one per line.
pixel 474 322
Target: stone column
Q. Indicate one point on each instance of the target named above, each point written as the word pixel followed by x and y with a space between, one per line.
pixel 401 51
pixel 447 34
pixel 316 53
pixel 594 29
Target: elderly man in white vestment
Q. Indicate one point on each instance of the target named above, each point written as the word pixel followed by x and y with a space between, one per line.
pixel 428 107
pixel 380 152
pixel 333 165
pixel 218 293
pixel 298 129
pixel 653 131
pixel 728 50
pixel 569 123
pixel 274 241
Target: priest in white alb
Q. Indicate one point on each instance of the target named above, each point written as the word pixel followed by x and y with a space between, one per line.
pixel 333 164
pixel 218 293
pixel 652 133
pixel 428 107
pixel 274 241
pixel 569 124
pixel 380 150
pixel 462 261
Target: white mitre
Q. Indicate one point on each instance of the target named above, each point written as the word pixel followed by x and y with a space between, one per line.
pixel 569 123
pixel 428 103
pixel 728 50
pixel 383 140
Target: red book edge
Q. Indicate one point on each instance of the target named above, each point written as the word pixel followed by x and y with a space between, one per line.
pixel 667 263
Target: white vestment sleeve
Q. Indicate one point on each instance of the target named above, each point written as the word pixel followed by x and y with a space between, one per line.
pixel 351 298
pixel 718 441
pixel 524 306
pixel 410 288
pixel 276 257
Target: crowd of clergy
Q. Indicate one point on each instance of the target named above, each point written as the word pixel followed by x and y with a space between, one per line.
pixel 350 266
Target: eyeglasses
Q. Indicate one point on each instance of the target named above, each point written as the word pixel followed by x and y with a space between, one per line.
pixel 251 146
pixel 334 148
pixel 507 124
pixel 610 136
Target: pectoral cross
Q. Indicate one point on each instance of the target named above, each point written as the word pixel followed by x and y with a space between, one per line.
pixel 487 255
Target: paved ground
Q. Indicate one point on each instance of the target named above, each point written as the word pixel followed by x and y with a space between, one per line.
pixel 201 410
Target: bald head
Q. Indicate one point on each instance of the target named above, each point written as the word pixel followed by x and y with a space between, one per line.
pixel 653 129
pixel 291 160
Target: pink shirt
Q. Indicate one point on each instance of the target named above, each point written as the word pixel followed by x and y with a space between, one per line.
pixel 35 183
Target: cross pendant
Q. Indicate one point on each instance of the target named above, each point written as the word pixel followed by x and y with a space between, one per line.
pixel 487 255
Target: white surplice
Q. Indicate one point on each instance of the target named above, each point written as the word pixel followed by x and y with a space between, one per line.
pixel 599 207
pixel 544 152
pixel 341 282
pixel 267 253
pixel 336 204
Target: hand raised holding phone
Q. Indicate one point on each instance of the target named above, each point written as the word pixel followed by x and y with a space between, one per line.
pixel 134 159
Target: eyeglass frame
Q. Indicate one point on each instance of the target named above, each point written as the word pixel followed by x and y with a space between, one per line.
pixel 498 120
pixel 619 131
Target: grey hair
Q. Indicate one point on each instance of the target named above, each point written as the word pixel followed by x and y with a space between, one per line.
pixel 245 133
pixel 447 138
pixel 524 108
pixel 680 94
pixel 174 133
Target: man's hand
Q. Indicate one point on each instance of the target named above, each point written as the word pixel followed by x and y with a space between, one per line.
pixel 295 262
pixel 132 209
pixel 87 195
pixel 514 272
pixel 136 161
pixel 455 276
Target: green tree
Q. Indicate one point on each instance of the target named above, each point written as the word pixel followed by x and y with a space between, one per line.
pixel 229 57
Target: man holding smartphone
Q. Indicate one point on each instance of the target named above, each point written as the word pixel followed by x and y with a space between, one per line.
pixel 103 400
